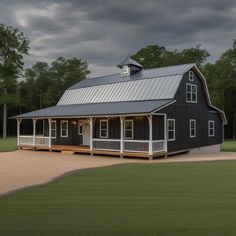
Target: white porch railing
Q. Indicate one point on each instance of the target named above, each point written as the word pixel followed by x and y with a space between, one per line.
pixel 41 141
pixel 106 144
pixel 159 145
pixel 26 140
pixel 29 140
pixel 136 145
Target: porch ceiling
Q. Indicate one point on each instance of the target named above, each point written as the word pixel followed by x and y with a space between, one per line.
pixel 98 109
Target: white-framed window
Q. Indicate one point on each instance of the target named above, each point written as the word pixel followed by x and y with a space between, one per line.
pixel 80 129
pixel 125 70
pixel 191 75
pixel 64 128
pixel 53 129
pixel 211 128
pixel 171 129
pixel 128 129
pixel 103 129
pixel 191 93
pixel 192 128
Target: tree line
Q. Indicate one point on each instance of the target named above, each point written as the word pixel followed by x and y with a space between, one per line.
pixel 43 84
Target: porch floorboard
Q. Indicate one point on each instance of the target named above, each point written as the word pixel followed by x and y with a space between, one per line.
pixel 86 150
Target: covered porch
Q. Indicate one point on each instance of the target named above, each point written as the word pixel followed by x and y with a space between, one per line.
pixel 141 135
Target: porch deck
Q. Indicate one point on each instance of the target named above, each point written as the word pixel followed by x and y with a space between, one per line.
pixel 86 150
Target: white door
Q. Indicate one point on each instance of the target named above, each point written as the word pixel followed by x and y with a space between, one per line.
pixel 86 134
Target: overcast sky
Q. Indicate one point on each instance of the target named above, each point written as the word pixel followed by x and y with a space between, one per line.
pixel 104 32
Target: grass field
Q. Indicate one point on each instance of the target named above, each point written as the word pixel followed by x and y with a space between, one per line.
pixel 229 146
pixel 134 199
pixel 8 144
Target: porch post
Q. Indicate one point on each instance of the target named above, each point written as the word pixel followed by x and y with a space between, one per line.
pixel 50 133
pixel 34 131
pixel 165 132
pixel 91 133
pixel 121 134
pixel 150 135
pixel 18 131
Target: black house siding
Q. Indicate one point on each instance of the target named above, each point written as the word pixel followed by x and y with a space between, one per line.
pixel 182 112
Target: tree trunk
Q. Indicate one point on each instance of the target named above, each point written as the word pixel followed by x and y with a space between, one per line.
pixel 234 126
pixel 4 133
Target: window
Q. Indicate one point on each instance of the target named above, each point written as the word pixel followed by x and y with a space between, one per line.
pixel 64 128
pixel 191 93
pixel 191 76
pixel 81 129
pixel 211 128
pixel 53 129
pixel 171 129
pixel 103 128
pixel 192 128
pixel 125 70
pixel 129 129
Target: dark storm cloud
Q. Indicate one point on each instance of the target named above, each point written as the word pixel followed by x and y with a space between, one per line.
pixel 104 32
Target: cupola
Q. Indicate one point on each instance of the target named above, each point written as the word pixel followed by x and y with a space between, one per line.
pixel 129 67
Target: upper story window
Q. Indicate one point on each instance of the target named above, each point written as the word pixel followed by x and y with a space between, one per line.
pixel 125 70
pixel 191 93
pixel 103 129
pixel 128 129
pixel 192 128
pixel 53 129
pixel 64 128
pixel 211 128
pixel 191 75
pixel 171 129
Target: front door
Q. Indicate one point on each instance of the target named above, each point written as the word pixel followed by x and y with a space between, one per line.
pixel 86 134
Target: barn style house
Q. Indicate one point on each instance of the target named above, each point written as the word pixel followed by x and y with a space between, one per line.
pixel 138 112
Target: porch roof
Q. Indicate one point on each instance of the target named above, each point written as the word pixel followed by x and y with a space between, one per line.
pixel 97 109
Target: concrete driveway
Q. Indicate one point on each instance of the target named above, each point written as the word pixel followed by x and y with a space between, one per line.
pixel 24 168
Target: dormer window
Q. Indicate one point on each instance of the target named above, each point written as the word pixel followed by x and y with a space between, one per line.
pixel 191 76
pixel 129 67
pixel 125 70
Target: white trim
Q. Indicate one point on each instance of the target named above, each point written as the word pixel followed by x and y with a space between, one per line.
pixel 122 134
pixel 132 129
pixel 173 139
pixel 211 128
pixel 91 134
pixel 191 93
pixel 49 133
pixel 166 105
pixel 190 128
pixel 67 127
pixel 150 146
pixel 191 75
pixel 53 122
pixel 100 129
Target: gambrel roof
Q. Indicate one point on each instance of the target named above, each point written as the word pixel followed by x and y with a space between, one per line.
pixel 142 92
pixel 151 84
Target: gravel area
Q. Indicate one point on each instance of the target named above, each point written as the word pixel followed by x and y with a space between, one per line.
pixel 25 168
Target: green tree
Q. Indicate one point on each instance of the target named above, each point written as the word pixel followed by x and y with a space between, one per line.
pixel 13 46
pixel 154 56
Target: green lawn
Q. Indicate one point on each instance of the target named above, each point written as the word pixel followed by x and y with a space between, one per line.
pixel 134 199
pixel 229 146
pixel 8 144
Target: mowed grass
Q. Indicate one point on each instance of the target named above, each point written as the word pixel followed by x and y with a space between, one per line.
pixel 133 199
pixel 8 144
pixel 229 146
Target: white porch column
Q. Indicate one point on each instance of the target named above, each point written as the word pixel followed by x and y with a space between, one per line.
pixel 165 132
pixel 18 131
pixel 121 134
pixel 91 133
pixel 34 131
pixel 50 132
pixel 150 135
